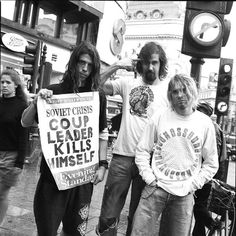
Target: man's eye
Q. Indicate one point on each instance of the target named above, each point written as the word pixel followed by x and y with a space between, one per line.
pixel 154 63
pixel 82 63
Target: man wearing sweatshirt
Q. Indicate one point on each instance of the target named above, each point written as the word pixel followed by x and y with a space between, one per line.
pixel 183 143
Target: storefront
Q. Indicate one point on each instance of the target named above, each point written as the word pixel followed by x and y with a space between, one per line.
pixel 58 25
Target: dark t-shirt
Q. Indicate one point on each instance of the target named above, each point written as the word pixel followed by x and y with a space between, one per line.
pixel 58 89
pixel 222 154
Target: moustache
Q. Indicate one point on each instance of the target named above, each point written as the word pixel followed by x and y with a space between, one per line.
pixel 150 75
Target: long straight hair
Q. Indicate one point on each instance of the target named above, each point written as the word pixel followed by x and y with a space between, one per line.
pixel 92 82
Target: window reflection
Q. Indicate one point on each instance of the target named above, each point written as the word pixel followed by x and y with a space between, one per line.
pixel 51 20
pixel 22 7
pixel 46 22
pixel 29 20
pixel 7 9
pixel 69 32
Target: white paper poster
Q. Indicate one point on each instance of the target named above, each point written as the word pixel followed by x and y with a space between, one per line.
pixel 69 134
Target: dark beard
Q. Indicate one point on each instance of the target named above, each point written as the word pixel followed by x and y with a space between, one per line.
pixel 149 76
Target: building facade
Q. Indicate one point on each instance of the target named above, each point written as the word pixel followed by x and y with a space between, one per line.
pixel 60 25
pixel 163 22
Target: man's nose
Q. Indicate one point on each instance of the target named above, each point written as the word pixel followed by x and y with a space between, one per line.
pixel 150 66
pixel 180 93
pixel 85 67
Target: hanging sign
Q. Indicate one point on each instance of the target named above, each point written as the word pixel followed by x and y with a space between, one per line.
pixel 14 42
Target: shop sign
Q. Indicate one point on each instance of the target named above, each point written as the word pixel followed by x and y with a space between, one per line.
pixel 14 42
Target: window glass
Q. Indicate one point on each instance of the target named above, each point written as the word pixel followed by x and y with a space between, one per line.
pixel 22 7
pixel 69 32
pixel 46 22
pixel 7 9
pixel 29 20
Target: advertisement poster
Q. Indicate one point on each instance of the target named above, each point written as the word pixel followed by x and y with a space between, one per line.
pixel 69 129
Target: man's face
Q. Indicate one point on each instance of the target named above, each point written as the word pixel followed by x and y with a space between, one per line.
pixel 151 69
pixel 83 69
pixel 181 99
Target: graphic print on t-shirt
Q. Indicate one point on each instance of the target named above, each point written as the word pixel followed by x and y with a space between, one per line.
pixel 139 100
pixel 170 158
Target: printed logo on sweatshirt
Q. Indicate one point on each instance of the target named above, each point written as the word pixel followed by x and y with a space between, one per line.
pixel 171 159
pixel 139 100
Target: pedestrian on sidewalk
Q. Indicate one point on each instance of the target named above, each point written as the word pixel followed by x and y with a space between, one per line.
pixel 13 137
pixel 203 218
pixel 141 97
pixel 71 206
pixel 184 159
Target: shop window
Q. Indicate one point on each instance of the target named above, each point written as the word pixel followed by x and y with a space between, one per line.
pixel 30 17
pixel 69 32
pixel 21 13
pixel 58 19
pixel 46 22
pixel 88 31
pixel 7 9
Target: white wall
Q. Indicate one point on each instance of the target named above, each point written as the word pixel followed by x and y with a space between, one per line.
pixel 112 12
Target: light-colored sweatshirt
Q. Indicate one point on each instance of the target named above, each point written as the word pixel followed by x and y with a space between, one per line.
pixel 140 102
pixel 184 151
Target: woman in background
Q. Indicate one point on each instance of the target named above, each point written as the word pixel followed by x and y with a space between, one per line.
pixel 13 137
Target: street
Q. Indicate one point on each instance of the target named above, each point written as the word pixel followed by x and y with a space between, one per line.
pixel 20 219
pixel 43 41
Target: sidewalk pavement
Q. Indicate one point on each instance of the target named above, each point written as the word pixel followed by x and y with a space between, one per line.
pixel 19 220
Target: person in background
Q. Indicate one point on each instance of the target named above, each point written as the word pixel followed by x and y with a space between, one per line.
pixel 71 206
pixel 13 137
pixel 203 217
pixel 183 143
pixel 141 97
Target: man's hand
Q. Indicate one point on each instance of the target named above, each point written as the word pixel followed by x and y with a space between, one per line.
pixel 153 183
pixel 126 63
pixel 43 93
pixel 99 175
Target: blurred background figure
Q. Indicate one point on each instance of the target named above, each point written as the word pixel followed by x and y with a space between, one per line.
pixel 13 137
pixel 202 216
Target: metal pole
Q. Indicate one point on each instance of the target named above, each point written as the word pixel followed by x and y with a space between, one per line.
pixel 42 66
pixel 35 75
pixel 218 120
pixel 196 69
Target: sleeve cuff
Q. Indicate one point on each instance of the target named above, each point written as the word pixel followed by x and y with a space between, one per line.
pixel 149 179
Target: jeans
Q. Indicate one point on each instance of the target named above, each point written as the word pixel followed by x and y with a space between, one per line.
pixel 177 213
pixel 122 172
